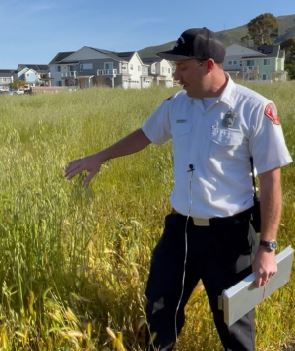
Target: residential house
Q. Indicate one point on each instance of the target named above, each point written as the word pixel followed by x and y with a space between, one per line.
pixel 248 64
pixel 58 70
pixel 7 77
pixel 90 67
pixel 161 70
pixel 34 74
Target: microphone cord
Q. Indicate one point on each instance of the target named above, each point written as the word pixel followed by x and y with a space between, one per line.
pixel 191 170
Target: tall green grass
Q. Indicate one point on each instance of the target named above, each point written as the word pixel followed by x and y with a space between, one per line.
pixel 74 261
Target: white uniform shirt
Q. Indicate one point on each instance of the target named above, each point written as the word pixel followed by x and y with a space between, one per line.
pixel 218 141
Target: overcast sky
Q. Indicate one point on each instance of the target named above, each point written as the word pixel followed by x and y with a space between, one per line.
pixel 34 31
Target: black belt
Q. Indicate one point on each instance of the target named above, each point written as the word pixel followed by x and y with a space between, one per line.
pixel 207 221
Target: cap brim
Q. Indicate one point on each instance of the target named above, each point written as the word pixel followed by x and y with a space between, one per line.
pixel 172 56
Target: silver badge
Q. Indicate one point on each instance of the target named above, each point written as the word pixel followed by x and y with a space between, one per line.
pixel 229 119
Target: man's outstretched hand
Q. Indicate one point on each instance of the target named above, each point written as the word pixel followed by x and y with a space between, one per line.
pixel 90 164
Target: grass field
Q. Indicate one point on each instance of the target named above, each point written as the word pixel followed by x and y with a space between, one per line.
pixel 74 261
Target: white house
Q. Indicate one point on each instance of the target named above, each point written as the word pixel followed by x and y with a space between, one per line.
pixel 34 74
pixel 161 70
pixel 7 77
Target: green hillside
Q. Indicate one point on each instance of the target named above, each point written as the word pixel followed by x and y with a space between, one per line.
pixel 234 35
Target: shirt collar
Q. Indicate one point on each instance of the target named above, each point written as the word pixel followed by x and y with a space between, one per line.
pixel 227 96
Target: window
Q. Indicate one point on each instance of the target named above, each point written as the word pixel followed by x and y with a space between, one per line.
pixel 250 63
pixel 266 62
pixel 86 66
pixel 230 62
pixel 139 68
pixel 58 68
pixel 131 67
pixel 108 65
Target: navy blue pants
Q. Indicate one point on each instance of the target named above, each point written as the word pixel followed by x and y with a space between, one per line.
pixel 220 255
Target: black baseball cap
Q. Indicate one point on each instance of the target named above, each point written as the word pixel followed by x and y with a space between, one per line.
pixel 199 43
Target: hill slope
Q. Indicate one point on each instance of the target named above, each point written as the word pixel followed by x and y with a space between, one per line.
pixel 234 35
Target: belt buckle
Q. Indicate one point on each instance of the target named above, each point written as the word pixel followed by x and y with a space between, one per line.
pixel 201 221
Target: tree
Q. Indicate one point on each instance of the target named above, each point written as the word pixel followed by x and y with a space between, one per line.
pixel 289 47
pixel 17 84
pixel 263 29
pixel 245 40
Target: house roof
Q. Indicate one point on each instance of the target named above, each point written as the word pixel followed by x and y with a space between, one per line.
pixel 35 67
pixel 149 60
pixel 7 72
pixel 262 51
pixel 272 50
pixel 60 56
pixel 239 50
pixel 126 55
pixel 117 56
pixel 267 49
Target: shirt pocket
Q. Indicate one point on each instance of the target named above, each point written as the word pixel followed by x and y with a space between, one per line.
pixel 179 129
pixel 225 141
pixel 226 137
pixel 181 135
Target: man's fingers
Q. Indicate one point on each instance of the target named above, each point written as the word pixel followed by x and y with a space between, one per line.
pixel 89 177
pixel 72 169
pixel 263 279
pixel 71 173
pixel 81 165
pixel 261 282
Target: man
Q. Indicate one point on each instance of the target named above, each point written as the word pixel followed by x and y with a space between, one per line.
pixel 216 127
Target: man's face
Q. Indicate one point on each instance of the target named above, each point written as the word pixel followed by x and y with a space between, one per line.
pixel 191 75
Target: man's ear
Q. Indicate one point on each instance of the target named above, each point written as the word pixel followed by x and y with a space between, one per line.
pixel 210 64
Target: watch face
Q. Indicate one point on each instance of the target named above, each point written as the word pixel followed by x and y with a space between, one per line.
pixel 270 245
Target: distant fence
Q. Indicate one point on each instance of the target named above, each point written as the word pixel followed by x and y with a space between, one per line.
pixel 40 90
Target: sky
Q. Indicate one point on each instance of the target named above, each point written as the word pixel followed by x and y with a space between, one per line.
pixel 34 31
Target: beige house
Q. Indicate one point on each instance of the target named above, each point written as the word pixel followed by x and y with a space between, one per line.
pixel 160 70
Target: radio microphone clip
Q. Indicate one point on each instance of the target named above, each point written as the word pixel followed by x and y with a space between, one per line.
pixel 191 167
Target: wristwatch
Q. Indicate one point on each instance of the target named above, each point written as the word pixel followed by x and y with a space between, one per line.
pixel 270 245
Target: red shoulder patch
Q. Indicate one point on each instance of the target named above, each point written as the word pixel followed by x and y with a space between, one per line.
pixel 271 114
